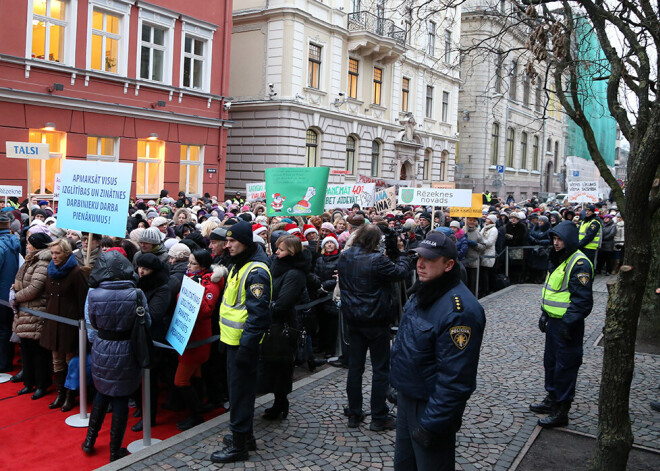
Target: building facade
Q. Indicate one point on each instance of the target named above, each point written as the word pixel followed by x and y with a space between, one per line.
pixel 118 81
pixel 512 129
pixel 361 87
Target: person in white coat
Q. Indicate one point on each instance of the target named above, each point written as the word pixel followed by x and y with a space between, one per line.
pixel 489 236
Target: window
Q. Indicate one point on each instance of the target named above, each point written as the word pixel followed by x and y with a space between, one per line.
pixel 525 85
pixel 356 5
pixel 405 93
pixel 535 154
pixel 431 38
pixel 494 143
pixel 502 6
pixel 193 63
pixel 548 146
pixel 102 148
pixel 447 46
pixel 510 136
pixel 426 169
pixel 556 156
pixel 445 106
pixel 106 37
pixel 375 158
pixel 378 85
pixel 197 41
pixel 429 101
pixel 312 144
pixel 49 30
pixel 149 177
pixel 191 161
pixel 523 150
pixel 499 61
pixel 152 55
pixel 444 158
pixel 353 70
pixel 42 172
pixel 513 77
pixel 314 66
pixel 538 99
pixel 350 154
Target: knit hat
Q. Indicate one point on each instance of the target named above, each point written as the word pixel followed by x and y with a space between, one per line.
pixel 328 226
pixel 150 236
pixel 136 234
pixel 56 232
pixel 258 229
pixel 152 214
pixel 446 231
pixel 219 233
pixel 426 215
pixel 455 224
pixel 40 240
pixel 39 227
pixel 291 228
pixel 544 219
pixel 149 260
pixel 492 218
pixel 332 237
pixel 179 251
pixel 118 249
pixel 307 228
pixel 356 220
pixel 168 243
pixel 242 232
pixel 159 221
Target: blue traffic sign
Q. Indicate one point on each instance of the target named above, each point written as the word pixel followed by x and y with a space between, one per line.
pixel 576 173
pixel 500 169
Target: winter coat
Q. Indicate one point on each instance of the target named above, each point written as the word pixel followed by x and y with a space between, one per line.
pixel 67 299
pixel 213 283
pixel 81 256
pixel 540 235
pixel 461 245
pixel 518 232
pixel 10 247
pixel 30 287
pixel 365 280
pixel 489 235
pixel 472 257
pixel 607 237
pixel 325 269
pixel 619 237
pixel 537 258
pixel 289 288
pixel 159 251
pixel 112 306
pixel 157 291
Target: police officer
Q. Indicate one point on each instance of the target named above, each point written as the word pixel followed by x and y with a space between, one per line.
pixel 567 301
pixel 244 318
pixel 434 359
pixel 590 233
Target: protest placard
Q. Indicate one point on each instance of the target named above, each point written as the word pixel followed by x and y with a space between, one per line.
pixel 445 185
pixel 345 196
pixel 11 190
pixel 185 314
pixel 57 186
pixel 582 192
pixel 382 183
pixel 472 212
pixel 255 191
pixel 435 197
pixel 385 200
pixel 94 196
pixel 296 190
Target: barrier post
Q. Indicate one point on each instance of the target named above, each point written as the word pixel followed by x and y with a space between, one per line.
pixel 81 420
pixel 476 281
pixel 146 441
pixel 506 261
pixel 340 337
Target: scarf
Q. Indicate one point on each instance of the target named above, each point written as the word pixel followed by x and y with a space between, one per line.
pixel 429 292
pixel 329 254
pixel 56 272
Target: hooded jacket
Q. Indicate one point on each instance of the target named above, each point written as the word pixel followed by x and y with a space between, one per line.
pixel 30 287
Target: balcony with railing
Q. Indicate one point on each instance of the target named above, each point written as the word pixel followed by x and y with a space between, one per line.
pixel 376 37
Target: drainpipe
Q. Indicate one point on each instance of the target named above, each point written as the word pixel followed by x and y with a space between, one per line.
pixel 224 83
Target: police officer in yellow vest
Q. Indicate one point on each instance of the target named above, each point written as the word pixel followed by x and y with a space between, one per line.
pixel 567 301
pixel 244 318
pixel 591 230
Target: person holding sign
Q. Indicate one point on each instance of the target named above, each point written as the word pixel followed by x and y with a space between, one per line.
pixel 244 318
pixel 188 377
pixel 590 233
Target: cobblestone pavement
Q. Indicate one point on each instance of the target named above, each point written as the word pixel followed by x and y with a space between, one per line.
pixel 497 424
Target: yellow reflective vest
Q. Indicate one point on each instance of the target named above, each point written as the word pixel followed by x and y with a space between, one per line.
pixel 233 311
pixel 556 297
pixel 595 243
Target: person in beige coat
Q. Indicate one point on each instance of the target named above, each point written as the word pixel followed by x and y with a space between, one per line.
pixel 489 236
pixel 30 292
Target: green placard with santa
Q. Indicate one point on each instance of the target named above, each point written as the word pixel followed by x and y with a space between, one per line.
pixel 296 191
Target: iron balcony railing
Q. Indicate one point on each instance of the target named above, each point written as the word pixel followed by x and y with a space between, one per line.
pixel 367 21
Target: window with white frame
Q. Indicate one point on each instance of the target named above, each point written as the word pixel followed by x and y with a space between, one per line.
pixel 378 86
pixel 431 38
pixel 105 41
pixel 447 46
pixel 102 148
pixel 191 162
pixel 350 154
pixel 197 40
pixel 311 148
pixel 52 35
pixel 405 93
pixel 193 63
pixel 429 101
pixel 314 66
pixel 426 169
pixel 375 158
pixel 152 52
pixel 523 150
pixel 445 106
pixel 149 175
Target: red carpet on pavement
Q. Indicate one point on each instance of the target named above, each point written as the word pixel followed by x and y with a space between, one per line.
pixel 33 437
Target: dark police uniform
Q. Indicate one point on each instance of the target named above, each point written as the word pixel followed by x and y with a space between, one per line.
pixel 567 301
pixel 434 368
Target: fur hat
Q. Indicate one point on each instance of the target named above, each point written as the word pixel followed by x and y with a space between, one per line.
pixel 179 252
pixel 150 236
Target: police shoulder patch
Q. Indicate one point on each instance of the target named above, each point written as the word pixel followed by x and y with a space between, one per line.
pixel 583 278
pixel 458 304
pixel 460 335
pixel 594 226
pixel 257 290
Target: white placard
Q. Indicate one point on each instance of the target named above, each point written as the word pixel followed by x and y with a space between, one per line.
pixel 27 150
pixel 56 188
pixel 255 191
pixel 435 197
pixel 10 190
pixel 583 192
pixel 345 196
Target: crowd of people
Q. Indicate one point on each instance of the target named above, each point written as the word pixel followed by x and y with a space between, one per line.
pixel 322 274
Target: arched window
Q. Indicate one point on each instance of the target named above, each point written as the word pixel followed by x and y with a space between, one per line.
pixel 510 143
pixel 494 143
pixel 375 158
pixel 523 150
pixel 312 144
pixel 535 154
pixel 556 156
pixel 350 154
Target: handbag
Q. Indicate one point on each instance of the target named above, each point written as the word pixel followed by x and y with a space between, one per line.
pixel 280 343
pixel 141 341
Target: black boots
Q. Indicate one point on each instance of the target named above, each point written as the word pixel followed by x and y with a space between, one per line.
pixel 59 378
pixel 544 407
pixel 280 406
pixel 192 402
pixel 117 430
pixel 237 452
pixel 96 418
pixel 228 440
pixel 559 416
pixel 69 400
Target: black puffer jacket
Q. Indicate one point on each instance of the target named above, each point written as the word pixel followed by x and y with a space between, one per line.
pixel 289 287
pixel 365 283
pixel 325 268
pixel 155 287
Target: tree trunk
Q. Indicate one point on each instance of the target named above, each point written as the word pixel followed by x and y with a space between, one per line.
pixel 648 330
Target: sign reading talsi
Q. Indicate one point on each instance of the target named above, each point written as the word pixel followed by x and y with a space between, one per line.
pixel 435 197
pixel 94 196
pixel 185 314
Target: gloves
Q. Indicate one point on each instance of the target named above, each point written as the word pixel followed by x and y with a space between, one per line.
pixel 472 243
pixel 245 358
pixel 429 439
pixel 565 332
pixel 543 321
